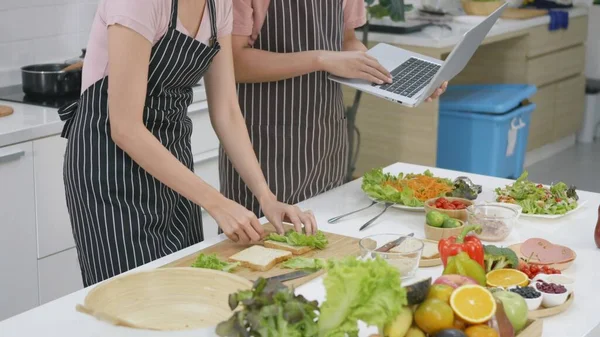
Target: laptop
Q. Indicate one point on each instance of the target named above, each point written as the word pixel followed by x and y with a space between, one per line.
pixel 416 76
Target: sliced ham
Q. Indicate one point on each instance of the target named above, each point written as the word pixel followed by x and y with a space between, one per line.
pixel 546 252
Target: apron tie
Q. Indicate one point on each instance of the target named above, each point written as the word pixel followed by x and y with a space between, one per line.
pixel 66 114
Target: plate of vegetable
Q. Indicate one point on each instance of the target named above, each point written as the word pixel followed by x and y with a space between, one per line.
pixel 410 191
pixel 540 201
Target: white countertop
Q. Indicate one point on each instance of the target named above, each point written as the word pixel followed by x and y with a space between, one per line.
pixel 438 37
pixel 59 318
pixel 29 122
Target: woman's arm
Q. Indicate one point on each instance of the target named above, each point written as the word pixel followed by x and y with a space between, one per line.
pixel 129 55
pixel 255 65
pixel 229 124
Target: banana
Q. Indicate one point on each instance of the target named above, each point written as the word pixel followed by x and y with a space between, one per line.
pixel 400 326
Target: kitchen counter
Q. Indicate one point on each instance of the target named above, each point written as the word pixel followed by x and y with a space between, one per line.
pixel 29 122
pixel 59 318
pixel 438 37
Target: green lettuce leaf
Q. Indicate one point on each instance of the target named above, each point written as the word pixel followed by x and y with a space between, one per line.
pixel 293 238
pixel 213 262
pixel 359 290
pixel 305 263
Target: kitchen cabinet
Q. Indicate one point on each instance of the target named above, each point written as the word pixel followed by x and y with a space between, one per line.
pixel 59 275
pixel 18 258
pixel 54 232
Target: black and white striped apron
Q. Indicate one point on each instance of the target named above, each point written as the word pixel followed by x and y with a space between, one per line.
pixel 297 126
pixel 123 217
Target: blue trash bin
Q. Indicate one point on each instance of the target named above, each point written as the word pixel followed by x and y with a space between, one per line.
pixel 483 129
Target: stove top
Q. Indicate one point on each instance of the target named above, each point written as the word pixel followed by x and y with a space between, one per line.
pixel 15 94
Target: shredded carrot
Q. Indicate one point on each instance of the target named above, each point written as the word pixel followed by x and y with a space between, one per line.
pixel 422 186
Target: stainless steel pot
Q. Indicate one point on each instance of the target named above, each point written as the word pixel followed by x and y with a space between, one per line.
pixel 50 79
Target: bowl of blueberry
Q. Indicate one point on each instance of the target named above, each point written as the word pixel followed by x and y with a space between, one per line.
pixel 532 297
pixel 553 294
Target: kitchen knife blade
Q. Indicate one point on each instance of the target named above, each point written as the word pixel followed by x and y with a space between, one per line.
pixel 388 246
pixel 289 276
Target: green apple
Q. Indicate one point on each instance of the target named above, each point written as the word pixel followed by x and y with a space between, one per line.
pixel 515 308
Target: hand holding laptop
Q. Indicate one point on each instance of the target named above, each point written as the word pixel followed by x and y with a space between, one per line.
pixel 361 66
pixel 354 65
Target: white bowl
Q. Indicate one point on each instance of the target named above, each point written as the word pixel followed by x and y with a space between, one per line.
pixel 534 303
pixel 563 280
pixel 553 300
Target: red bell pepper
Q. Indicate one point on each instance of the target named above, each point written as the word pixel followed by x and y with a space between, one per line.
pixel 462 243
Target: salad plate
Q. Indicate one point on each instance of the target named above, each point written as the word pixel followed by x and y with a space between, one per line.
pixel 580 204
pixel 410 191
pixel 540 201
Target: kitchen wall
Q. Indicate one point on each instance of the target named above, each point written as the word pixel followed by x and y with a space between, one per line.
pixel 38 31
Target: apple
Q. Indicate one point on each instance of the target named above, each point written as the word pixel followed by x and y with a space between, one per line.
pixel 515 308
pixel 455 281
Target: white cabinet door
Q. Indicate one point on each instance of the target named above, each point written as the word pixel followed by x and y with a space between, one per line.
pixel 18 254
pixel 206 166
pixel 203 137
pixel 59 275
pixel 53 224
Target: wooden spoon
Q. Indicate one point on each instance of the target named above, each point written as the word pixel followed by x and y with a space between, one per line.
pixel 106 317
pixel 74 66
pixel 5 110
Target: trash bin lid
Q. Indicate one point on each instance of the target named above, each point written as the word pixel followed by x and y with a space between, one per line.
pixel 592 86
pixel 485 98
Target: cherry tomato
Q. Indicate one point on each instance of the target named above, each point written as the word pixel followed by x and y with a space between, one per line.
pixel 461 206
pixel 540 186
pixel 558 199
pixel 534 269
pixel 450 206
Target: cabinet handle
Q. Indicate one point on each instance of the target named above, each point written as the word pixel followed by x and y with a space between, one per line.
pixel 11 155
pixel 206 156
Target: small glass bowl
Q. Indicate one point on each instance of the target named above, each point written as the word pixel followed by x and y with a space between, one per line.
pixel 496 220
pixel 404 257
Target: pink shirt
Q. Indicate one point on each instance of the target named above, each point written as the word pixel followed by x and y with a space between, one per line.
pixel 149 18
pixel 249 15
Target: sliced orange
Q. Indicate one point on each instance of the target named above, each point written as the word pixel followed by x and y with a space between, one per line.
pixel 506 278
pixel 473 303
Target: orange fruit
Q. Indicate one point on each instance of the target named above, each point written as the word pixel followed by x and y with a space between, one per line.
pixel 506 278
pixel 434 315
pixel 441 292
pixel 473 303
pixel 481 331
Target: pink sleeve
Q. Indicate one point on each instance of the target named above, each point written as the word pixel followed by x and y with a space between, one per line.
pixel 355 14
pixel 224 17
pixel 243 21
pixel 146 17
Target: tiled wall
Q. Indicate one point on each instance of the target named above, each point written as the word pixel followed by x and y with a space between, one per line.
pixel 38 31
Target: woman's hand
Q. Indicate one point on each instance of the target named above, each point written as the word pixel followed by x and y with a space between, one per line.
pixel 277 212
pixel 238 223
pixel 438 92
pixel 354 65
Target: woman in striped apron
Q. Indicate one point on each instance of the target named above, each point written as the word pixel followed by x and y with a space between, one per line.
pixel 283 51
pixel 131 192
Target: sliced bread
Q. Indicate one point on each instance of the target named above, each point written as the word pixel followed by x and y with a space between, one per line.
pixel 296 250
pixel 430 250
pixel 260 258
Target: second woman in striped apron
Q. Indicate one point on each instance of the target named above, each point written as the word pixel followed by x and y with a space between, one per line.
pixel 131 192
pixel 284 51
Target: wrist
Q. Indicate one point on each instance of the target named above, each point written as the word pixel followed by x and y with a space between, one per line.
pixel 320 60
pixel 266 197
pixel 210 199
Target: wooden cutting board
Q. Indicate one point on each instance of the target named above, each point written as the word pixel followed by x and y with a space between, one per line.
pixel 339 247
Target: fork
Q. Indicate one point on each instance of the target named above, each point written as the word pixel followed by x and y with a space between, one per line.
pixel 387 205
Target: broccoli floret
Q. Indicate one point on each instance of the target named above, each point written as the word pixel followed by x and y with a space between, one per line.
pixel 499 258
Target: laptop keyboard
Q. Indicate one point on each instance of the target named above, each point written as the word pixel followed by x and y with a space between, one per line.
pixel 410 77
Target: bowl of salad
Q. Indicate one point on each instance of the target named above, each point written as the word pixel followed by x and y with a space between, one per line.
pixel 539 200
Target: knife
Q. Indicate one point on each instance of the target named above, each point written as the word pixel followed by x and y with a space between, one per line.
pixel 290 276
pixel 390 245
